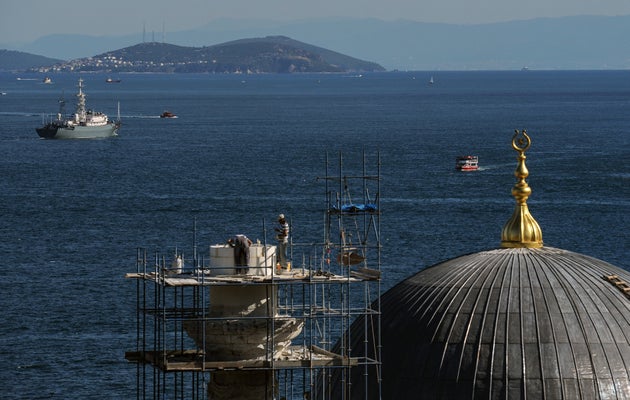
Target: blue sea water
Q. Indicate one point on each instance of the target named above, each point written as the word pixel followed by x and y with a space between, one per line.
pixel 246 148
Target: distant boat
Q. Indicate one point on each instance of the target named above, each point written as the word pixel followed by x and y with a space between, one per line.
pixel 110 80
pixel 47 80
pixel 467 163
pixel 431 81
pixel 83 124
pixel 168 114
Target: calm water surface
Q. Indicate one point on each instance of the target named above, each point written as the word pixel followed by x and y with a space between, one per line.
pixel 245 148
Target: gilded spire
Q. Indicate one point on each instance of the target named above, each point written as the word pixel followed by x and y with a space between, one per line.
pixel 521 230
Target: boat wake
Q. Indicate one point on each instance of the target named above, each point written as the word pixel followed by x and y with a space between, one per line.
pixel 19 114
pixel 32 114
pixel 140 116
pixel 491 167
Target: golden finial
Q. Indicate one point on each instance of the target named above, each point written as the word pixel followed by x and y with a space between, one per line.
pixel 521 230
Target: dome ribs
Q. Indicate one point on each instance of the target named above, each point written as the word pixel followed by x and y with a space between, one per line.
pixel 537 323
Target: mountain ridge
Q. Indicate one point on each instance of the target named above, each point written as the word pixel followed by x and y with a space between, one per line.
pixel 578 42
pixel 271 54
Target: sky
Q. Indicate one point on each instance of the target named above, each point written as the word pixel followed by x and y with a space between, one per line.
pixel 22 21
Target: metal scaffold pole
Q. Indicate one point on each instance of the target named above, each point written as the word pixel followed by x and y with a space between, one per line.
pixel 210 330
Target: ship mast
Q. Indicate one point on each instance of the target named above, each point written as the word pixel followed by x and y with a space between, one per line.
pixel 80 115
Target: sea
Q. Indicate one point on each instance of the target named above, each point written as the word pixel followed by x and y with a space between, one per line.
pixel 245 148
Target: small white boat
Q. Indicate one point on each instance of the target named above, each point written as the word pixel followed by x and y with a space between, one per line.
pixel 467 163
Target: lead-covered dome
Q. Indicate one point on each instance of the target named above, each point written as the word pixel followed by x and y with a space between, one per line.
pixel 508 323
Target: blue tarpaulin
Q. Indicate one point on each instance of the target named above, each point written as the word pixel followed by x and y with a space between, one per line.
pixel 355 208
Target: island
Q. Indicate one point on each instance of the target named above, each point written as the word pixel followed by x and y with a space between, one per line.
pixel 271 54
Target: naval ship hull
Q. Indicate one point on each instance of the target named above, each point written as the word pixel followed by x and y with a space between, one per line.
pixel 52 131
pixel 83 124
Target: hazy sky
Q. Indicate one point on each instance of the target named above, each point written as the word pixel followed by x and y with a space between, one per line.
pixel 26 20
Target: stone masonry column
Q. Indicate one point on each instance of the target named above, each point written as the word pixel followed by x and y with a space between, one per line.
pixel 244 325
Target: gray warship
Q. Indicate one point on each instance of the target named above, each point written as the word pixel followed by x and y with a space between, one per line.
pixel 83 124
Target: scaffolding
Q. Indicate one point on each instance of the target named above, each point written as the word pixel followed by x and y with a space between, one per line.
pixel 273 333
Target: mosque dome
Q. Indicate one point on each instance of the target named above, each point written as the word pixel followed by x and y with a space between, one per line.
pixel 520 321
pixel 508 323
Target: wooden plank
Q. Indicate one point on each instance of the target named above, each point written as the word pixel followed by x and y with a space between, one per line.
pixel 189 360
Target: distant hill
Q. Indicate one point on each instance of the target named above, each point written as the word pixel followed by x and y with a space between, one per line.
pixel 580 42
pixel 272 54
pixel 18 61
